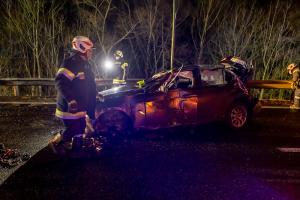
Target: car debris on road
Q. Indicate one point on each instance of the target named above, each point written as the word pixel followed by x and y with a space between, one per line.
pixel 11 157
pixel 79 146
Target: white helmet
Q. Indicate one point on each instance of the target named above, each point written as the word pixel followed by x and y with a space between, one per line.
pixel 82 44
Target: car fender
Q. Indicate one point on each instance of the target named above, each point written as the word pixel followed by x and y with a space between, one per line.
pixel 240 99
pixel 101 111
pixel 119 110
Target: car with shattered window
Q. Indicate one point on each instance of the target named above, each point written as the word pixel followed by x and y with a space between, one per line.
pixel 188 96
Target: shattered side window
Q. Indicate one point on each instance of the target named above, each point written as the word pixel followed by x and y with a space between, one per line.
pixel 182 82
pixel 212 77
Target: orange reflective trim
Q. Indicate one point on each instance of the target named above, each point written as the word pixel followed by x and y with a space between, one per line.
pixel 67 73
pixel 67 115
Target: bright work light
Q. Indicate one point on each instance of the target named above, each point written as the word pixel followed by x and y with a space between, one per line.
pixel 108 64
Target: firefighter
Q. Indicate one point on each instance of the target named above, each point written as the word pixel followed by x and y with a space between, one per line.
pixel 76 93
pixel 293 69
pixel 121 68
pixel 239 67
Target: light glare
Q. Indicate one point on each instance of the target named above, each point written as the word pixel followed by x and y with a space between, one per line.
pixel 108 64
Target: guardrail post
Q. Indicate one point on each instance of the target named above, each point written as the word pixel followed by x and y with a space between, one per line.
pixel 16 90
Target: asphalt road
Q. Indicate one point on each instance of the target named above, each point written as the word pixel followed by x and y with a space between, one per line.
pixel 208 162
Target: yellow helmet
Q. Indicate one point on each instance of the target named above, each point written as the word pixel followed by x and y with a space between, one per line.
pixel 291 67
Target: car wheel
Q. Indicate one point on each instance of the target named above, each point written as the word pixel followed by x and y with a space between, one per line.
pixel 237 116
pixel 114 124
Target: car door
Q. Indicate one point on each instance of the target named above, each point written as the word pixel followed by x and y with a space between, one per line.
pixel 212 95
pixel 186 101
pixel 189 100
pixel 174 106
pixel 204 101
pixel 210 100
pixel 156 110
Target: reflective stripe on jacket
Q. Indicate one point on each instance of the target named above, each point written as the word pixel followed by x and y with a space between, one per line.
pixel 67 115
pixel 67 73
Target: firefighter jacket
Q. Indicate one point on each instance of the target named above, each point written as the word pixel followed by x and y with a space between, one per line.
pixel 75 81
pixel 296 78
pixel 121 71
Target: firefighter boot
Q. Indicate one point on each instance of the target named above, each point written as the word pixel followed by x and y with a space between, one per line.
pixel 58 146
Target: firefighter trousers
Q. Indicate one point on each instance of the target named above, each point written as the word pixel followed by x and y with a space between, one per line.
pixel 297 98
pixel 73 127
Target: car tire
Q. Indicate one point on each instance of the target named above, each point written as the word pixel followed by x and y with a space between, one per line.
pixel 114 125
pixel 237 116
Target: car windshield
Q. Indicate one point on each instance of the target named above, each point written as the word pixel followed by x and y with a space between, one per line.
pixel 162 80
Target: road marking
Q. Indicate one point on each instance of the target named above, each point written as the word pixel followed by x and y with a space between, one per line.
pixel 289 149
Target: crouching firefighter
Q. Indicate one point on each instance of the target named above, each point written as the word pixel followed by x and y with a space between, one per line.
pixel 76 94
pixel 293 69
pixel 121 68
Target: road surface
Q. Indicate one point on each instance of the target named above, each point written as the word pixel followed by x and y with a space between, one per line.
pixel 208 162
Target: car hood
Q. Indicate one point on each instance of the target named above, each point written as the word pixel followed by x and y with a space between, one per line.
pixel 120 91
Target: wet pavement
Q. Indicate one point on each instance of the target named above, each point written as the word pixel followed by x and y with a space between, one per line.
pixel 27 129
pixel 208 162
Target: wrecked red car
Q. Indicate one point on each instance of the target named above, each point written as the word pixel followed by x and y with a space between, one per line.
pixel 191 95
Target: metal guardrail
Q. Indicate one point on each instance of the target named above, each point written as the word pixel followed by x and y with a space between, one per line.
pixel 269 84
pixel 16 82
pixel 264 84
pixel 26 81
pixel 49 81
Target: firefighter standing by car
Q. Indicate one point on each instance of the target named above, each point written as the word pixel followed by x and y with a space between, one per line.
pixel 76 93
pixel 293 69
pixel 122 66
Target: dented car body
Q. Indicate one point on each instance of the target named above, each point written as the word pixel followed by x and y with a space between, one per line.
pixel 191 95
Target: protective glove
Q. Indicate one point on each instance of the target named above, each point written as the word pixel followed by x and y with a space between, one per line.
pixel 72 106
pixel 124 65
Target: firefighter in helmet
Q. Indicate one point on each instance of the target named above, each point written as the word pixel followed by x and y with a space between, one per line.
pixel 121 68
pixel 239 67
pixel 293 69
pixel 76 93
